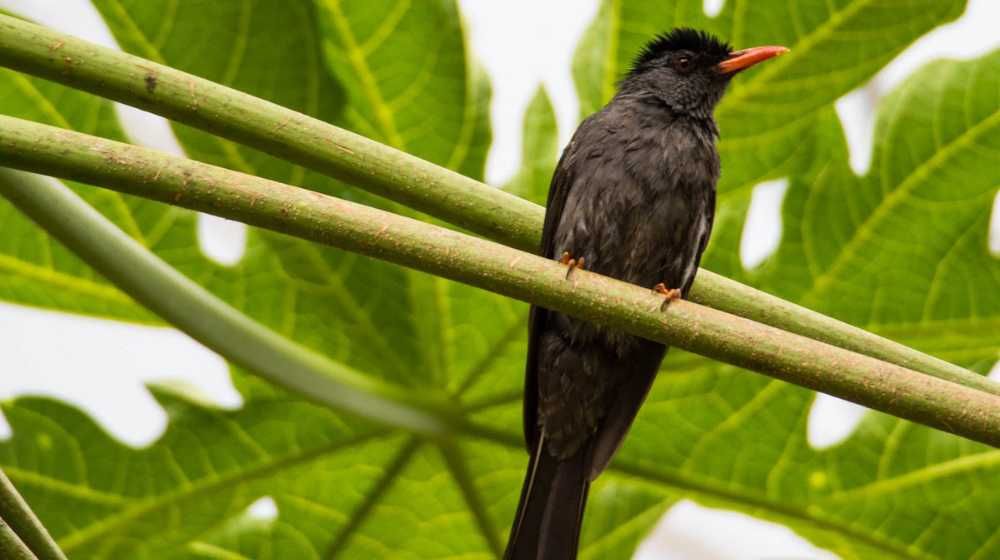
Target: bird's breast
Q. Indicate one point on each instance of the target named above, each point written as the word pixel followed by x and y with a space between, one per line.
pixel 637 211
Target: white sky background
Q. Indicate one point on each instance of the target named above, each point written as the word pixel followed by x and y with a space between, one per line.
pixel 521 43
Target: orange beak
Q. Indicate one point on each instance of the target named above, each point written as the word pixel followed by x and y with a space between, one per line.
pixel 741 60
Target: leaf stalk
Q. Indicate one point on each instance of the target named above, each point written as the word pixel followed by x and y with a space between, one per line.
pixel 391 173
pixel 302 213
pixel 213 322
pixel 27 528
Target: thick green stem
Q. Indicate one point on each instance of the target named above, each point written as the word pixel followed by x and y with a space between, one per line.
pixel 443 252
pixel 388 172
pixel 269 127
pixel 11 546
pixel 211 321
pixel 739 299
pixel 15 511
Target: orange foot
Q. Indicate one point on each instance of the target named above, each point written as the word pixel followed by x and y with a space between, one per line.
pixel 670 294
pixel 573 264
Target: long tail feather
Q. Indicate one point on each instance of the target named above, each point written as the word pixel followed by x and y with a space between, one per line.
pixel 549 515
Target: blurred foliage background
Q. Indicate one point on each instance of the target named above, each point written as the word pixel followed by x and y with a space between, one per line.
pixel 901 251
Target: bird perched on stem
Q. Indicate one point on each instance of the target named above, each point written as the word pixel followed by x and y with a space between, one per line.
pixel 633 197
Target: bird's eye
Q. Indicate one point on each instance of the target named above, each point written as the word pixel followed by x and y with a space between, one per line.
pixel 683 63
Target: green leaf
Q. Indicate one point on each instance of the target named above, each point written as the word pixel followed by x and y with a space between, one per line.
pixel 33 269
pixel 392 65
pixel 902 251
pixel 415 329
pixel 773 118
pixel 539 147
pixel 323 295
pixel 924 207
pixel 101 498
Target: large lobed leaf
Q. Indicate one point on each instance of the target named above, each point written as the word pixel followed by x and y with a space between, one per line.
pixel 398 324
pixel 902 252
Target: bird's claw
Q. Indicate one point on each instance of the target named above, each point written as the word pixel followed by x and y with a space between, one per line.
pixel 669 294
pixel 573 264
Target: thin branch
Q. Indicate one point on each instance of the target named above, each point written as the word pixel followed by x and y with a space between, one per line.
pixel 389 172
pixel 143 172
pixel 206 318
pixel 18 515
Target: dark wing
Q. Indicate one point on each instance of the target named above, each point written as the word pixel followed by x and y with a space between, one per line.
pixel 703 242
pixel 641 372
pixel 562 181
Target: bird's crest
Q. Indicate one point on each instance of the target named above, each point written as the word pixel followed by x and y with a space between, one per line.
pixel 681 38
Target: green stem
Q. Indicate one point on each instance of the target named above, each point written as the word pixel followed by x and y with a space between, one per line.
pixel 18 515
pixel 268 127
pixel 211 321
pixel 389 172
pixel 742 300
pixel 11 546
pixel 443 252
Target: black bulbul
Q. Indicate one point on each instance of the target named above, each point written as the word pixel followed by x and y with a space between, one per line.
pixel 633 197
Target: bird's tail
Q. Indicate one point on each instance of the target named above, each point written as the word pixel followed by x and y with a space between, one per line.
pixel 547 523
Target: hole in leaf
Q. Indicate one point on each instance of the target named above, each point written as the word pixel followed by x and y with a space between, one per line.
pixel 995 372
pixel 543 53
pixel 147 129
pixel 78 18
pixel 762 229
pixel 263 509
pixel 224 241
pixel 692 532
pixel 971 35
pixel 857 115
pixel 832 420
pixel 5 432
pixel 102 367
pixel 994 241
pixel 713 7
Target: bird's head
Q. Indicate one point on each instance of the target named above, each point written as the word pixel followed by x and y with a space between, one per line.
pixel 688 70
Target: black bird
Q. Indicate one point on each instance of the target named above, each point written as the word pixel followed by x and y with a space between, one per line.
pixel 633 197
